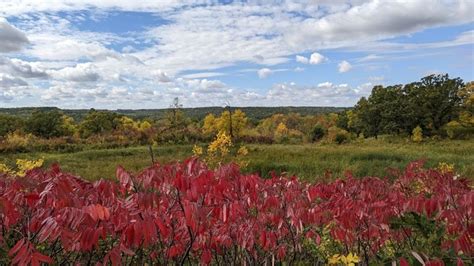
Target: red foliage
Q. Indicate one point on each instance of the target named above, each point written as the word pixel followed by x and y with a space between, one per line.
pixel 185 211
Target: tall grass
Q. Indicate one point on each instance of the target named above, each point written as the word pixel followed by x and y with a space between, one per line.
pixel 308 161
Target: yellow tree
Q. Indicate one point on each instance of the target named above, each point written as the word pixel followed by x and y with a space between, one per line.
pixel 238 119
pixel 210 125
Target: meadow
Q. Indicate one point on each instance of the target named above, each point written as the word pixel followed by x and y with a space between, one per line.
pixel 311 162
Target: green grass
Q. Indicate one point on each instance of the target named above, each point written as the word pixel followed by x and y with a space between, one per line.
pixel 307 161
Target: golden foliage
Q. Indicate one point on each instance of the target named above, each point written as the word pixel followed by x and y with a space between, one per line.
pixel 22 167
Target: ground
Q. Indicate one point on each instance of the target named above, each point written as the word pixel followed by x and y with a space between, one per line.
pixel 307 161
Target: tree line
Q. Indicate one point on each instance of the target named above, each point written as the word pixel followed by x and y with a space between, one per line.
pixel 436 106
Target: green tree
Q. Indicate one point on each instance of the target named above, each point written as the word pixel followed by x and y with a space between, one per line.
pixel 430 103
pixel 48 124
pixel 98 122
pixel 434 101
pixel 10 123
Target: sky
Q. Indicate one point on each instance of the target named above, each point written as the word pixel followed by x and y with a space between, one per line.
pixel 122 54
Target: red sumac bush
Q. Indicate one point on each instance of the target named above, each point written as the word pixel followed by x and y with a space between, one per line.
pixel 187 213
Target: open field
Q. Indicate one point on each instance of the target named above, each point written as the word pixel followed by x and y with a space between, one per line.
pixel 307 161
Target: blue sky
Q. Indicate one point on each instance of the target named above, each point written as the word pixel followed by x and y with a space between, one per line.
pixel 120 54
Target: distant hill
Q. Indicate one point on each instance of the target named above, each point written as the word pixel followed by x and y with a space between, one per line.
pixel 194 113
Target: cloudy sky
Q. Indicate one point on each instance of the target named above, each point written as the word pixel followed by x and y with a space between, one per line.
pixel 141 54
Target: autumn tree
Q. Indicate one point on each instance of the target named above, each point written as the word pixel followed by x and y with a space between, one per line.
pixel 50 124
pixel 10 123
pixel 212 125
pixel 98 122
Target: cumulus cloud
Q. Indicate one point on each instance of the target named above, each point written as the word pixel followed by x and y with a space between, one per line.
pixel 322 94
pixel 22 68
pixel 12 87
pixel 206 41
pixel 316 58
pixel 8 81
pixel 344 66
pixel 86 72
pixel 376 20
pixel 302 59
pixel 264 73
pixel 11 39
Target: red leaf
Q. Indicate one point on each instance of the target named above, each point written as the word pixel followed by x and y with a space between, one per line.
pixel 206 257
pixel 124 178
pixel 42 258
pixel 16 247
pixel 404 262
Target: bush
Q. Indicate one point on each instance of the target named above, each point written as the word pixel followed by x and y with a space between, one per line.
pixel 317 133
pixel 337 135
pixel 455 130
pixel 340 138
pixel 417 134
pixel 186 213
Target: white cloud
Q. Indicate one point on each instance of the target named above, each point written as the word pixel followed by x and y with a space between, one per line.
pixel 12 7
pixel 316 58
pixel 370 57
pixel 86 72
pixel 344 66
pixel 162 76
pixel 11 39
pixel 8 81
pixel 264 73
pixel 12 88
pixel 302 59
pixel 376 20
pixel 202 39
pixel 203 75
pixel 323 94
pixel 22 68
pixel 326 84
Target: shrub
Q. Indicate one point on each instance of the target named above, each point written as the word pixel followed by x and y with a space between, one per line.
pixel 186 213
pixel 340 138
pixel 417 134
pixel 220 151
pixel 455 130
pixel 337 135
pixel 318 133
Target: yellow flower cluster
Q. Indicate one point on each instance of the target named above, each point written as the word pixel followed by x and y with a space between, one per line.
pixel 242 151
pixel 197 150
pixel 221 144
pixel 219 151
pixel 22 166
pixel 445 167
pixel 349 260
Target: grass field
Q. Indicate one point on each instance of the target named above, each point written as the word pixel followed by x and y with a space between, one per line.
pixel 308 161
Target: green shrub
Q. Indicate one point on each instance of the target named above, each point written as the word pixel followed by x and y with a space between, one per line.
pixel 455 130
pixel 318 133
pixel 341 138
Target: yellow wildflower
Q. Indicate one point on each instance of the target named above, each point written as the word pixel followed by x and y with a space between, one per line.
pixel 5 169
pixel 350 260
pixel 242 151
pixel 335 259
pixel 445 167
pixel 24 165
pixel 222 143
pixel 197 150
